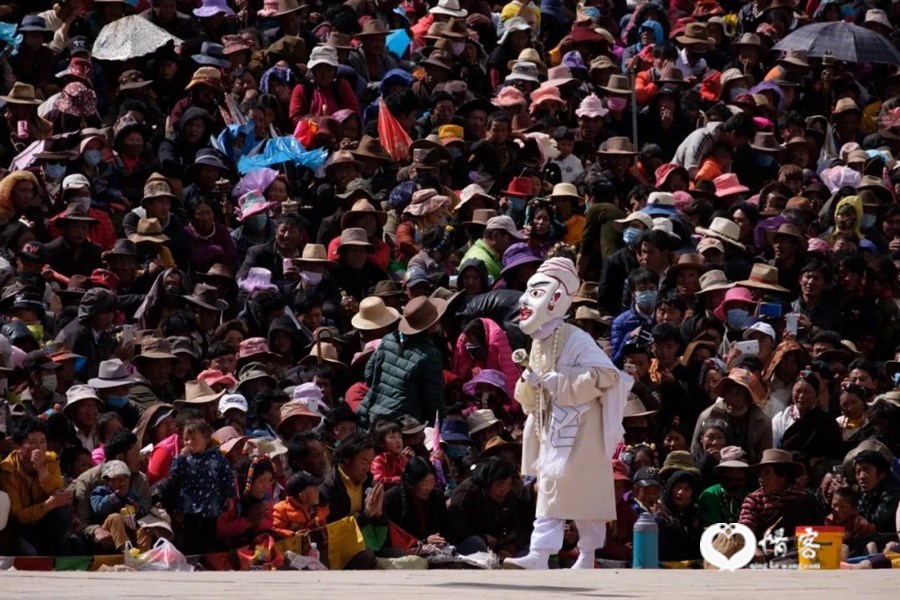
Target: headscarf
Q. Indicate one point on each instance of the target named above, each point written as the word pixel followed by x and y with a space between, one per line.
pixel 557 227
pixel 282 74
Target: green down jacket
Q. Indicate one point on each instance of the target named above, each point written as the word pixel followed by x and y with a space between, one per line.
pixel 404 380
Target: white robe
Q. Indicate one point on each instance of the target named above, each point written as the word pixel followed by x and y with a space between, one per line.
pixel 587 403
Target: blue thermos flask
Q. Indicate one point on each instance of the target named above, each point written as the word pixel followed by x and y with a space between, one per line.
pixel 646 543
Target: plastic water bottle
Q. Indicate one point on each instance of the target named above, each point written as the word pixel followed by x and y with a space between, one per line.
pixel 646 543
pixel 314 551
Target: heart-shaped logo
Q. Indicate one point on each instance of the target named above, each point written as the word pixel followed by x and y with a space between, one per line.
pixel 728 546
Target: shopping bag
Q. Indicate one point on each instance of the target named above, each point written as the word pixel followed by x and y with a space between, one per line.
pixel 163 556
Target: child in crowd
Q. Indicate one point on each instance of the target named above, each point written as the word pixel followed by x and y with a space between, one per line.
pixel 569 165
pixel 300 513
pixel 251 514
pixel 203 484
pixel 387 468
pixel 844 513
pixel 115 504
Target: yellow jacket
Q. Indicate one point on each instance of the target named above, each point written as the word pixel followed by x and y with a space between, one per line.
pixel 27 494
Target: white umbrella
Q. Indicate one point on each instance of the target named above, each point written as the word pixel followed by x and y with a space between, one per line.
pixel 130 37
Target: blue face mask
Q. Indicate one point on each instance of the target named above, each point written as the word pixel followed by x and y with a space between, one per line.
pixel 738 318
pixel 630 234
pixel 93 157
pixel 645 300
pixel 54 172
pixel 867 222
pixel 116 401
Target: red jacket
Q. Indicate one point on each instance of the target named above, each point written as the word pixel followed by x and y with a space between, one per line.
pixel 323 103
pixel 388 468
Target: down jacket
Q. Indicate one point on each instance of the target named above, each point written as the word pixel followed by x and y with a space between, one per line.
pixel 498 356
pixel 404 379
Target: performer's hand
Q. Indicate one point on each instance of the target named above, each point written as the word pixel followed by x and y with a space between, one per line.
pixel 531 378
pixel 551 380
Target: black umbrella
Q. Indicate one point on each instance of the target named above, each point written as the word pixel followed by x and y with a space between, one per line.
pixel 843 41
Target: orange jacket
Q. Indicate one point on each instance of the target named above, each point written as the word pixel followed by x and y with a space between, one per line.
pixel 290 517
pixel 27 494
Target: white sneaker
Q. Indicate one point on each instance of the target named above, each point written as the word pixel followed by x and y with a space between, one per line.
pixel 585 560
pixel 533 561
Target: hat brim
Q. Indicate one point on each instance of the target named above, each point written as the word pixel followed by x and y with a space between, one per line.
pixel 380 217
pixel 525 260
pixel 314 360
pixel 137 238
pixel 714 234
pixel 219 306
pixel 747 283
pixel 155 356
pixel 330 264
pixel 201 59
pixel 498 448
pixel 390 317
pixel 440 305
pixel 21 101
pixel 106 384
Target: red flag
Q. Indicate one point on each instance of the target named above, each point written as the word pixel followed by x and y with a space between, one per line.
pixel 393 137
pixel 399 538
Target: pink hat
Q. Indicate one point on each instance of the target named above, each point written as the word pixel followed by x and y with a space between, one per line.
pixel 837 177
pixel 592 107
pixel 258 278
pixel 542 95
pixel 763 124
pixel 818 245
pixel 270 8
pixel 253 203
pixel 255 347
pixel 682 199
pixel 509 96
pixel 728 184
pixel 735 294
pixel 311 395
pixel 663 171
pixel 216 377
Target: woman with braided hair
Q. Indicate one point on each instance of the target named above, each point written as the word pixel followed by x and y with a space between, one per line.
pixel 416 505
pixel 543 226
pixel 251 514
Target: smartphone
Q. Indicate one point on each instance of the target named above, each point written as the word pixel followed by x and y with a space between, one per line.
pixel 769 309
pixel 750 347
pixel 127 335
pixel 790 323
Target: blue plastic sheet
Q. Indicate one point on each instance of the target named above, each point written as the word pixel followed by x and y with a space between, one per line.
pixel 226 141
pixel 284 149
pixel 397 42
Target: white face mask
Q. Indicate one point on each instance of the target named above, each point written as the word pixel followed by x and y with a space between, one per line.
pixel 310 278
pixel 48 382
pixel 535 303
pixel 83 202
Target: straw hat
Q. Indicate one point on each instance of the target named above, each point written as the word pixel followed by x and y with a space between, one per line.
pixel 420 314
pixel 565 191
pixel 618 84
pixel 686 261
pixel 149 230
pixel 323 352
pixel 208 76
pixel 199 392
pixel 315 254
pixel 725 230
pixel 374 314
pixel 714 280
pixel 845 105
pixel 361 208
pixel 763 277
pixel 527 55
pixel 297 410
pixel 448 7
pixel 635 217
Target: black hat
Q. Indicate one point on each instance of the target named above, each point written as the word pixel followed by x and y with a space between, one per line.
pixel 34 23
pixel 646 477
pixel 33 251
pixel 209 157
pixel 79 45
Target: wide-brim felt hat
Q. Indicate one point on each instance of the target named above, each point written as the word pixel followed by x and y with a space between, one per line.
pixel 420 314
pixel 205 296
pixel 776 456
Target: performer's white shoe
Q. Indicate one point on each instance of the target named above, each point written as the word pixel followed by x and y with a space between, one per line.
pixel 585 560
pixel 533 561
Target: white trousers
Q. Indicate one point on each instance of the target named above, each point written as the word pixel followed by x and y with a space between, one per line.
pixel 548 535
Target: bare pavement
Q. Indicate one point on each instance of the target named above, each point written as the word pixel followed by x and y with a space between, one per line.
pixel 422 585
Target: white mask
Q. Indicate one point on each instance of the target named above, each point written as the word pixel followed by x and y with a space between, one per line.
pixel 81 201
pixel 48 382
pixel 543 301
pixel 311 279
